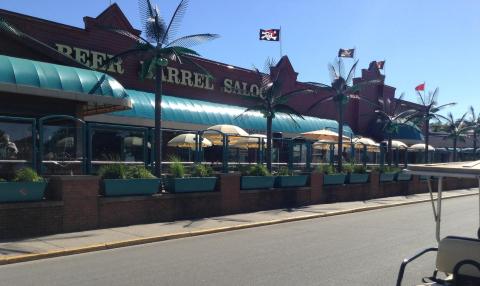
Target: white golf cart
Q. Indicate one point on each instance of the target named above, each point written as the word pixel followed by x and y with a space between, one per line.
pixel 457 257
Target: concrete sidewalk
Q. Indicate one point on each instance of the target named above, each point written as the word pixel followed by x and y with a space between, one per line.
pixel 94 240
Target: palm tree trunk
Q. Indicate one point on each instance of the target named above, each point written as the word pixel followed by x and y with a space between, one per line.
pixel 454 149
pixel 427 135
pixel 268 154
pixel 158 119
pixel 389 152
pixel 340 137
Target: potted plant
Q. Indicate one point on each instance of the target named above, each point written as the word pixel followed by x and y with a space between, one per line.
pixel 201 180
pixel 330 176
pixel 401 176
pixel 122 180
pixel 257 177
pixel 26 186
pixel 357 174
pixel 387 173
pixel 286 179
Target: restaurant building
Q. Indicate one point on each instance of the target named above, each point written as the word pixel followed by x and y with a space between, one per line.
pixel 44 89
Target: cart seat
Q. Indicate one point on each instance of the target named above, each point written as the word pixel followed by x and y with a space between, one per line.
pixel 453 250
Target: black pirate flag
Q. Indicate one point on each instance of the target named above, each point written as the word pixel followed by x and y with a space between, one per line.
pixel 269 35
pixel 346 53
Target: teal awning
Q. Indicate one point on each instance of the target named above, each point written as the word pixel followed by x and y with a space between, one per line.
pixel 99 90
pixel 179 109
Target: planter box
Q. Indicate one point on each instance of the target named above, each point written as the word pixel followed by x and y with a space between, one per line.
pixel 336 179
pixel 21 191
pixel 257 182
pixel 403 176
pixel 290 181
pixel 387 177
pixel 355 178
pixel 130 187
pixel 192 184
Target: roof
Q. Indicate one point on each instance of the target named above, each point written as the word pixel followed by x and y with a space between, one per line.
pixel 100 91
pixel 179 109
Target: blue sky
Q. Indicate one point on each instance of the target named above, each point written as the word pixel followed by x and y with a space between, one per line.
pixel 421 40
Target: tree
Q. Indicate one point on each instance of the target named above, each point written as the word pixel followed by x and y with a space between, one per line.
pixel 430 110
pixel 158 46
pixel 457 130
pixel 341 89
pixel 273 100
pixel 474 123
pixel 391 118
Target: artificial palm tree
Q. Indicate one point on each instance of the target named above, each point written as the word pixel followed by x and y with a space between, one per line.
pixel 273 100
pixel 391 118
pixel 457 130
pixel 158 46
pixel 342 88
pixel 430 110
pixel 474 123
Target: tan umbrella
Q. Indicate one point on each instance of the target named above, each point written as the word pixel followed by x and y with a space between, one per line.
pixel 133 141
pixel 325 144
pixel 250 142
pixel 67 142
pixel 398 144
pixel 420 147
pixel 231 130
pixel 187 141
pixel 323 134
pixel 372 146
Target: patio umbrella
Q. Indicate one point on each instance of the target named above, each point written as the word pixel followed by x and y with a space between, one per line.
pixel 397 144
pixel 231 130
pixel 325 144
pixel 420 147
pixel 323 134
pixel 372 146
pixel 133 141
pixel 250 142
pixel 187 141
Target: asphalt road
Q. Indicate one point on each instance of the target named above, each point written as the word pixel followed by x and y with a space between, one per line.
pixel 355 249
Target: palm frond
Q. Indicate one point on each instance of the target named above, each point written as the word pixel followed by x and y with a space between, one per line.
pixel 318 102
pixel 192 40
pixel 259 108
pixel 175 21
pixel 153 24
pixel 296 92
pixel 291 112
pixel 332 73
pixel 351 73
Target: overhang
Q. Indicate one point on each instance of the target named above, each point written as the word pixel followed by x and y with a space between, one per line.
pixel 98 91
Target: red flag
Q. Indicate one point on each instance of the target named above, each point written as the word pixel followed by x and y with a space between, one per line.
pixel 420 87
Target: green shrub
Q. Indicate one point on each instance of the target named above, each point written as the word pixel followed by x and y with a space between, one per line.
pixel 27 175
pixel 386 169
pixel 2 180
pixel 258 170
pixel 359 169
pixel 201 170
pixel 348 168
pixel 284 171
pixel 114 171
pixel 177 170
pixel 326 169
pixel 139 172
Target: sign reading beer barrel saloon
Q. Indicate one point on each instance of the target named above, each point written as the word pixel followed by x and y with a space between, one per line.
pixel 172 75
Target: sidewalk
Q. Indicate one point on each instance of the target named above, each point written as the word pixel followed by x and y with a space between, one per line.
pixel 101 239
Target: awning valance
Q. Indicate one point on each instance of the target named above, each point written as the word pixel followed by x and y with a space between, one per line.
pixel 99 91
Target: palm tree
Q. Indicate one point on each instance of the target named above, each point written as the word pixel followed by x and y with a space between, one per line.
pixel 457 130
pixel 273 100
pixel 392 117
pixel 342 89
pixel 430 110
pixel 475 124
pixel 158 46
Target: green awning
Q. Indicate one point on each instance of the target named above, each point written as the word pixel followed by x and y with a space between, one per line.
pixel 192 111
pixel 100 91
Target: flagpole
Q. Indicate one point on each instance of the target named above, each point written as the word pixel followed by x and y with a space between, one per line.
pixel 281 36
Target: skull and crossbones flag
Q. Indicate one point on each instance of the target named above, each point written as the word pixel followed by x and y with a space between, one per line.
pixel 380 64
pixel 346 53
pixel 269 35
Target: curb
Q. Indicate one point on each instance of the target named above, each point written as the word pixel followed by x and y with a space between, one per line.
pixel 171 236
